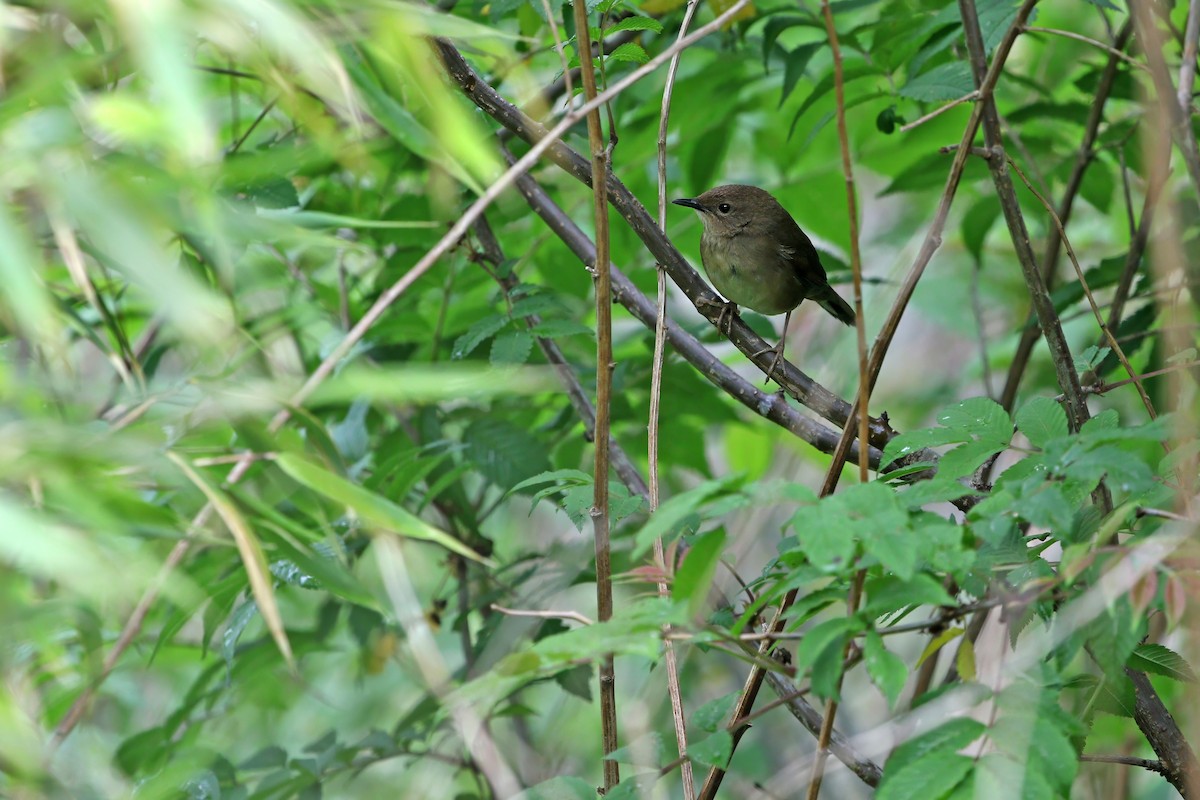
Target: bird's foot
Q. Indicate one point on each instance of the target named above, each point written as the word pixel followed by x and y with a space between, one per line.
pixel 778 351
pixel 725 316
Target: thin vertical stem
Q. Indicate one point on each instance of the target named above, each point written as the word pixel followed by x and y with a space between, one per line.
pixel 674 690
pixel 604 365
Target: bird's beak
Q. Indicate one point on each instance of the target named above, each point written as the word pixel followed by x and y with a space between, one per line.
pixel 689 202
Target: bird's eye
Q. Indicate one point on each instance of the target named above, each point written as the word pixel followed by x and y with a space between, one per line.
pixel 723 208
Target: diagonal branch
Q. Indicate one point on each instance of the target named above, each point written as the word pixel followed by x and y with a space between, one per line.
pixel 1047 317
pixel 768 405
pixel 794 381
pixel 1030 332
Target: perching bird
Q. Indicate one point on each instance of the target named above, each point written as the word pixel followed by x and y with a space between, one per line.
pixel 756 256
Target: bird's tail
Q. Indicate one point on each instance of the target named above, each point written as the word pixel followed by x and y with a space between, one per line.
pixel 832 302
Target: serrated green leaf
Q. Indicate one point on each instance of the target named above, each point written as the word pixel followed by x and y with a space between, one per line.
pixel 944 82
pixel 511 347
pixel 1161 661
pixel 635 23
pixel 480 331
pixel 674 511
pixel 981 417
pixel 503 452
pixel 628 51
pixel 1042 420
pixel 931 777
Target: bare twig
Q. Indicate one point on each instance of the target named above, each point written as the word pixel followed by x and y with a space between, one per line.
pixel 937 112
pixel 1064 365
pixel 933 238
pixel 1104 329
pixel 1178 117
pixel 674 689
pixel 1131 761
pixel 1084 155
pixel 866 769
pixel 604 366
pixel 1187 65
pixel 574 616
pixel 864 384
pixel 1108 387
pixel 1115 52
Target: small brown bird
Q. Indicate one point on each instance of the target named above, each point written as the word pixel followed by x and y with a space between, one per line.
pixel 756 256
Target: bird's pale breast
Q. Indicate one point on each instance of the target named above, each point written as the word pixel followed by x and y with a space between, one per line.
pixel 761 279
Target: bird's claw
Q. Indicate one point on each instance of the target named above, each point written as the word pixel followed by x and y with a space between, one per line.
pixel 725 316
pixel 778 351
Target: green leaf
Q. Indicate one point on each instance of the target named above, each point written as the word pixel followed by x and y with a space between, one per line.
pixel 511 347
pixel 674 511
pixel 695 575
pixel 981 417
pixel 794 66
pixel 480 331
pixel 374 510
pixel 945 82
pixel 887 670
pixel 825 86
pixel 628 51
pixel 1161 661
pixel 1090 358
pixel 976 223
pixel 927 766
pixel 830 634
pixel 1042 420
pixel 503 452
pixel 713 714
pixel 713 750
pixel 889 593
pixel 635 23
pixel 1098 185
pixel 932 777
pixel 995 18
pixel 1048 508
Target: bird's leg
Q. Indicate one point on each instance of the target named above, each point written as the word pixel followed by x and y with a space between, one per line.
pixel 777 349
pixel 728 311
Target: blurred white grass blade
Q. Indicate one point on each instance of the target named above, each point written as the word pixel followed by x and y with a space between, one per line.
pixel 401 43
pixel 160 31
pixel 433 22
pixel 432 383
pixel 261 580
pixel 291 38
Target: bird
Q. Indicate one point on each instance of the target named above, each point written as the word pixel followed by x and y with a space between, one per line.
pixel 756 256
